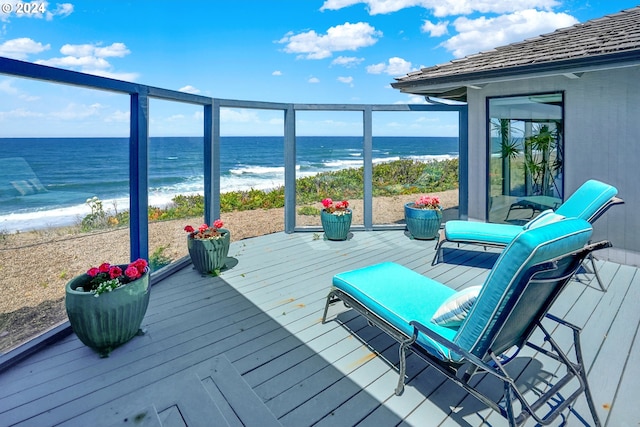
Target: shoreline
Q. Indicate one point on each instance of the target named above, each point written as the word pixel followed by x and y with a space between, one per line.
pixel 37 265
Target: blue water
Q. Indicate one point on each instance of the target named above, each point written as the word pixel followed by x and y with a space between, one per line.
pixel 51 185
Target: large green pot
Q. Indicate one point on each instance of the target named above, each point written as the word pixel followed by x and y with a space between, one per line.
pixel 111 319
pixel 422 223
pixel 336 227
pixel 209 255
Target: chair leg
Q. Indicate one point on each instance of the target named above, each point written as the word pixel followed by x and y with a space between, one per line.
pixel 331 298
pixel 402 352
pixel 436 257
pixel 587 391
pixel 595 272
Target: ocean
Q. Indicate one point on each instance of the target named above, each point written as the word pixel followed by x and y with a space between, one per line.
pixel 45 182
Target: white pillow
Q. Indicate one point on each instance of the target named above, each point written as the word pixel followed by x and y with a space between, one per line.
pixel 455 308
pixel 545 217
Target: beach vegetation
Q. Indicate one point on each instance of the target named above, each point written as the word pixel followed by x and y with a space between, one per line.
pixel 399 177
pixel 159 258
pixel 308 210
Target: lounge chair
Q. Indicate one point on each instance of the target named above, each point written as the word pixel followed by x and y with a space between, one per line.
pixel 590 201
pixel 474 337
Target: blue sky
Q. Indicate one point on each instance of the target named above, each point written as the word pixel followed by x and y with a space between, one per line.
pixel 303 51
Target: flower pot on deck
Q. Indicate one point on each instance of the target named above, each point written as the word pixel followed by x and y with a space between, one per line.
pixel 111 319
pixel 336 227
pixel 209 255
pixel 422 223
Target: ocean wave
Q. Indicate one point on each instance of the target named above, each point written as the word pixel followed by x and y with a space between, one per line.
pixel 161 194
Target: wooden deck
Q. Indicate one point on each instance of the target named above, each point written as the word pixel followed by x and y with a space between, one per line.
pixel 248 348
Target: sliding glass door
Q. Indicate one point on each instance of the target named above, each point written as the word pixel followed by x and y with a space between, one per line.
pixel 525 156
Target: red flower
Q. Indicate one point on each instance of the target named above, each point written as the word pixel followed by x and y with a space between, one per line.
pixel 327 202
pixel 140 265
pixel 115 272
pixel 104 267
pixel 342 205
pixel 93 271
pixel 205 231
pixel 132 272
pixel 427 202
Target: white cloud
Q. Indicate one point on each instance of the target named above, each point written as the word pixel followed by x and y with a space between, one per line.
pixel 276 73
pixel 435 30
pixel 346 80
pixel 83 62
pixel 313 80
pixel 118 116
pixel 7 87
pixel 347 61
pixel 75 111
pixel 442 8
pixel 21 48
pixel 394 67
pixel 118 50
pixel 19 113
pixel 62 9
pixel 90 59
pixel 481 34
pixel 238 115
pixel 311 45
pixel 189 89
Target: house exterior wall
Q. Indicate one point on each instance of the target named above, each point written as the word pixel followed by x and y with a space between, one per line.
pixel 602 141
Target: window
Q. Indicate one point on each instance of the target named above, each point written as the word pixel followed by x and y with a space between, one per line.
pixel 525 156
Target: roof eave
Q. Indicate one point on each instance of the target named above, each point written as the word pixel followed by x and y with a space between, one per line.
pixel 453 82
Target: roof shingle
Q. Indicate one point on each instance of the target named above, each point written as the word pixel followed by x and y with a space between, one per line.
pixel 611 34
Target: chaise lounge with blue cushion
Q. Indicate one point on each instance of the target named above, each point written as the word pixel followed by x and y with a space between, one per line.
pixel 481 329
pixel 589 202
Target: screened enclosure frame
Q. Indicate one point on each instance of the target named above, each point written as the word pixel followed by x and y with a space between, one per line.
pixel 140 96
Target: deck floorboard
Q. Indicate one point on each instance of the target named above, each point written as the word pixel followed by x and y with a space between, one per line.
pixel 263 316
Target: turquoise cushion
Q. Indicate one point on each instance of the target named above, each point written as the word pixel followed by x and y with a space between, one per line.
pixel 584 203
pixel 399 295
pixel 480 232
pixel 505 283
pixel 588 199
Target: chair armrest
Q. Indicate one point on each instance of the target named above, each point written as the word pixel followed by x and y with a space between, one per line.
pixel 471 358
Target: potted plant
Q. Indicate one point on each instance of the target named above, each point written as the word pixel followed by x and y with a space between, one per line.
pixel 423 217
pixel 208 246
pixel 106 305
pixel 336 219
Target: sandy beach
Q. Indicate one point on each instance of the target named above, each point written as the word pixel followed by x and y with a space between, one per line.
pixel 35 266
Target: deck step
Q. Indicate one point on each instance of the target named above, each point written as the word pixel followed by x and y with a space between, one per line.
pixel 210 393
pixel 235 397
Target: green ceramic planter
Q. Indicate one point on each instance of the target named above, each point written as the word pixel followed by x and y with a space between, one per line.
pixel 209 255
pixel 336 227
pixel 422 223
pixel 110 320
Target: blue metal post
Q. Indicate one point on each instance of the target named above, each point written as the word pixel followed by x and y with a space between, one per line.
pixel 212 162
pixel 138 175
pixel 463 162
pixel 289 169
pixel 368 168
